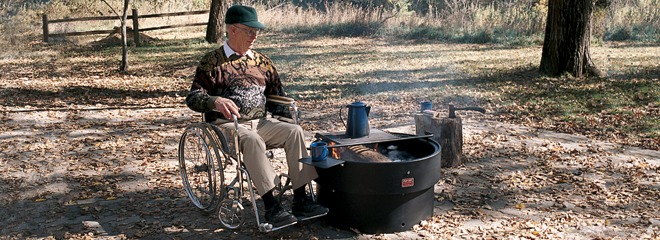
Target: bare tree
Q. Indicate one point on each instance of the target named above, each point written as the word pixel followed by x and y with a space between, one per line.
pixel 567 39
pixel 215 28
pixel 123 67
pixel 124 46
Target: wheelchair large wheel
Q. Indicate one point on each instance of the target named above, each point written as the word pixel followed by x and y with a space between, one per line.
pixel 198 149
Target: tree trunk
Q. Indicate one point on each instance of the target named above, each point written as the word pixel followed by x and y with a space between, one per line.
pixel 567 39
pixel 215 28
pixel 124 46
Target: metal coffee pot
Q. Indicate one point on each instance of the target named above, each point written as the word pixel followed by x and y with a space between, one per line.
pixel 357 124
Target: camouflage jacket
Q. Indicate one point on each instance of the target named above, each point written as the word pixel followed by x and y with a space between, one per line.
pixel 245 80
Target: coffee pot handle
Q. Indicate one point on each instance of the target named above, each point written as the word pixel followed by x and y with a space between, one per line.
pixel 340 114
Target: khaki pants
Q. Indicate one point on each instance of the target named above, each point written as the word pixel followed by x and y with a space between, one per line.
pixel 275 134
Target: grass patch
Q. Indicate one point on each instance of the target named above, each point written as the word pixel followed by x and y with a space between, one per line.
pixel 607 108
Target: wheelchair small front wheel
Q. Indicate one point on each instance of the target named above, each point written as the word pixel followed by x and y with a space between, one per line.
pixel 231 213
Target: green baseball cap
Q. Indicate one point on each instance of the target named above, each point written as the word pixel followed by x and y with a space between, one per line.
pixel 244 15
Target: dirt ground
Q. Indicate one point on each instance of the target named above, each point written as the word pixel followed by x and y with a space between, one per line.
pixel 103 173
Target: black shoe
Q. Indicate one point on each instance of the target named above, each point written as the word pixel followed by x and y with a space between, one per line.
pixel 307 209
pixel 279 217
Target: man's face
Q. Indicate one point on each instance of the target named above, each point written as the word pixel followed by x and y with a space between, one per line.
pixel 241 37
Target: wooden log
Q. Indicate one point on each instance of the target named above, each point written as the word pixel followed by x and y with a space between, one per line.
pixel 134 17
pixel 172 26
pixel 55 35
pixel 67 19
pixel 136 28
pixel 100 18
pixel 448 132
pixel 360 153
pixel 175 14
pixel 44 20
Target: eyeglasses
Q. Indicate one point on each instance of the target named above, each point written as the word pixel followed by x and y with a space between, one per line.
pixel 250 32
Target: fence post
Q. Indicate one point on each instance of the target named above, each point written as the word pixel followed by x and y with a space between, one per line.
pixel 136 29
pixel 44 19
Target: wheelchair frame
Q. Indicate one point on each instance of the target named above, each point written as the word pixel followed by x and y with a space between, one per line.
pixel 204 156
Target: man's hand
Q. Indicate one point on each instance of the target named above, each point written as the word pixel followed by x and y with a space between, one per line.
pixel 227 107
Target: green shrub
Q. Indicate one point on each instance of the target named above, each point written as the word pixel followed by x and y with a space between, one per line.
pixel 426 32
pixel 348 29
pixel 621 34
pixel 480 37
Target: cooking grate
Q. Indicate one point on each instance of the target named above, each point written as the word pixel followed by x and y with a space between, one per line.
pixel 375 135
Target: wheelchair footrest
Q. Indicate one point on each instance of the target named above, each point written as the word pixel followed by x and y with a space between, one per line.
pixel 267 227
pixel 311 217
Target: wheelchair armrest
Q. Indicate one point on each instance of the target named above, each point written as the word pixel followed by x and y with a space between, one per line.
pixel 290 104
pixel 280 99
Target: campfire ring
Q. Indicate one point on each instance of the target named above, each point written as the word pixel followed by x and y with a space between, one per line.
pixel 379 197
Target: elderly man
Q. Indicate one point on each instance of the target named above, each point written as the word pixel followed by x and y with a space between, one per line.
pixel 235 79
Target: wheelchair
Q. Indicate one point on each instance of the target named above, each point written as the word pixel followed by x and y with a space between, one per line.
pixel 214 176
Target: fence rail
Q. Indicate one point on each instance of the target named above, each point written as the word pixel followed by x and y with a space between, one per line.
pixel 136 27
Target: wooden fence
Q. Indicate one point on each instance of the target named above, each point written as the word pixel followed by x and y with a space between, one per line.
pixel 136 27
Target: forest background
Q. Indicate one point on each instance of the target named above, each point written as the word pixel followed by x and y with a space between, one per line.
pixel 463 21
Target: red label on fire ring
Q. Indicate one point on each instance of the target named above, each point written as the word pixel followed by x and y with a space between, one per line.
pixel 407 182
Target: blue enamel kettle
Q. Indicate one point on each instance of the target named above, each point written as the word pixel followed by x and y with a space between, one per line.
pixel 357 124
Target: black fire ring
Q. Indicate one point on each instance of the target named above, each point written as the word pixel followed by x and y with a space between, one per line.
pixel 380 197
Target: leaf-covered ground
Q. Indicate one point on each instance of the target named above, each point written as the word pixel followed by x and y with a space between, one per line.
pixel 91 153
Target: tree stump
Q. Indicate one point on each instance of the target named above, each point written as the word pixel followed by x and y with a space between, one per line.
pixel 448 132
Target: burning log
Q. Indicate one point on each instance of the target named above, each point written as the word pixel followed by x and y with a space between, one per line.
pixel 359 153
